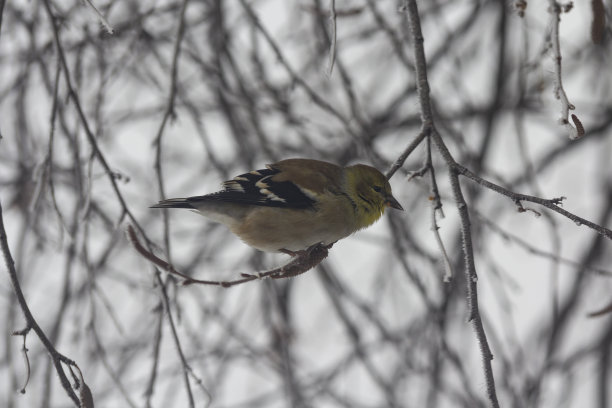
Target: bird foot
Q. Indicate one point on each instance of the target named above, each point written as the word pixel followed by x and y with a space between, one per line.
pixel 292 253
pixel 305 252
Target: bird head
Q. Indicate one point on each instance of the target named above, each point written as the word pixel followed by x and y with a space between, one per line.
pixel 370 191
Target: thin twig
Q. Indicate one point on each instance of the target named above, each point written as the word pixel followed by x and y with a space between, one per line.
pixel 103 21
pixel 168 114
pixel 399 162
pixel 601 312
pixel 332 42
pixel 552 204
pixel 24 351
pixel 553 256
pixel 153 371
pixel 555 17
pixel 2 3
pixel 177 342
pixel 436 208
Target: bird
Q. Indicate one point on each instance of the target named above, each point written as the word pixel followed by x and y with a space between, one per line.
pixel 295 204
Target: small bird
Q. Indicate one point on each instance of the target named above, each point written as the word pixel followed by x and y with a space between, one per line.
pixel 295 204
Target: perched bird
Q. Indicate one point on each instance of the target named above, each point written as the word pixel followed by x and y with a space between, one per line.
pixel 295 204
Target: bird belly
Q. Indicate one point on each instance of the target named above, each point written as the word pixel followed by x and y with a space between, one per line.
pixel 272 229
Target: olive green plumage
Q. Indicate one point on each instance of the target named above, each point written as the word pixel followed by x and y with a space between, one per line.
pixel 296 203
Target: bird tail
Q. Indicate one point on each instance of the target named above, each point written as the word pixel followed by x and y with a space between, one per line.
pixel 174 203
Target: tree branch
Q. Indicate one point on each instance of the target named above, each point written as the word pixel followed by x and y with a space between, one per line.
pixel 31 323
pixel 301 263
pixel 466 235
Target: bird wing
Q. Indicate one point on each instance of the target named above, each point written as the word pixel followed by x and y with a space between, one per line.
pixel 259 187
pixel 291 183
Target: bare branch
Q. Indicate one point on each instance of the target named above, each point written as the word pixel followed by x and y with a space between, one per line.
pixel 301 263
pixel 601 312
pixel 332 45
pixel 57 358
pixel 555 10
pixel 552 204
pixel 103 21
pixel 466 236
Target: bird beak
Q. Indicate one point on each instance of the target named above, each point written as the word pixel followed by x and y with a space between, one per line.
pixel 392 202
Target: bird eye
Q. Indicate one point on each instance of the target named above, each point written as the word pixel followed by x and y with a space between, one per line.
pixel 378 189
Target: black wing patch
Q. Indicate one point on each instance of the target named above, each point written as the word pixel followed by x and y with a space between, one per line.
pixel 257 188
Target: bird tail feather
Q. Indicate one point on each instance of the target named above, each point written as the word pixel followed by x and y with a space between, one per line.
pixel 174 203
